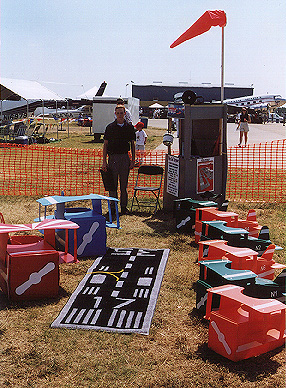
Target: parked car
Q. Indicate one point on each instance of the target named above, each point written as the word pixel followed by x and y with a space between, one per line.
pixel 84 122
pixel 275 118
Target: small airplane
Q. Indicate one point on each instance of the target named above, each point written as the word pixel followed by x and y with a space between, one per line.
pixel 263 102
pixel 57 113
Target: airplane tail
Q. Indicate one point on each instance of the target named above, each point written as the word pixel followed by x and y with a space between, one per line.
pixel 268 254
pixel 101 89
pixel 264 233
pixel 251 216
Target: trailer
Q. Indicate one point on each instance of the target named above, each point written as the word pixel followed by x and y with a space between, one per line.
pixel 103 113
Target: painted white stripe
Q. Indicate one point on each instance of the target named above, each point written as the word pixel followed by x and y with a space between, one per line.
pixel 267 273
pixel 141 293
pixel 137 320
pixel 112 317
pixel 227 287
pixel 80 314
pixel 135 293
pixel 97 299
pixel 129 319
pixel 73 312
pixel 51 200
pixel 95 318
pixel 250 345
pixel 271 303
pixel 239 274
pixel 121 318
pixel 91 290
pixel 269 251
pixel 88 315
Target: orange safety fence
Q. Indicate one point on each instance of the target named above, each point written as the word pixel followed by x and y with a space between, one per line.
pixel 40 170
pixel 255 172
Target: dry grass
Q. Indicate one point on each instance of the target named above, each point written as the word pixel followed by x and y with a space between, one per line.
pixel 174 355
pixel 81 137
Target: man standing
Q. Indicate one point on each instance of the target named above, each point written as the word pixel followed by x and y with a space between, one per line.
pixel 119 138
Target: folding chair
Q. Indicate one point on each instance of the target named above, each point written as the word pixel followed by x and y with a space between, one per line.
pixel 149 174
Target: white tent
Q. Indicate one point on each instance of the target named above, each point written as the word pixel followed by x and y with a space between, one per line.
pixel 156 106
pixel 89 94
pixel 15 91
pixel 12 89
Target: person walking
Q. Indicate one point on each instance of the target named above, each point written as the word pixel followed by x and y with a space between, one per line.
pixel 243 126
pixel 119 139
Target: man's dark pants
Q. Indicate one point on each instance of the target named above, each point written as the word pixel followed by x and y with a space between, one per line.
pixel 120 165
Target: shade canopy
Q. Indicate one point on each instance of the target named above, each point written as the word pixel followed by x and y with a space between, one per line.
pixel 95 91
pixel 156 105
pixel 17 89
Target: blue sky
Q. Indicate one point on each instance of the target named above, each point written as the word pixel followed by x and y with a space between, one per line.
pixel 73 45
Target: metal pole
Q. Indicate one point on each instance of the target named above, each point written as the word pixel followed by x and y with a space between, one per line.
pixel 68 118
pixel 222 66
pixel 57 119
pixel 27 113
pixel 43 106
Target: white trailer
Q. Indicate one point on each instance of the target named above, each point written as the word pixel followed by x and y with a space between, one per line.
pixel 103 113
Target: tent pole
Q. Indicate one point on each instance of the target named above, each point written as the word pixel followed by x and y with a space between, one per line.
pixel 222 65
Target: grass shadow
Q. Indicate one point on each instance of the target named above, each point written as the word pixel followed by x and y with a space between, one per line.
pixel 252 369
pixel 161 222
pixel 5 303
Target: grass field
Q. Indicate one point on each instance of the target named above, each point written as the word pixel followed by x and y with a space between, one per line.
pixel 175 353
pixel 80 137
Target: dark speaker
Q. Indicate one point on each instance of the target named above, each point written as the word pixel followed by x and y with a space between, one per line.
pixel 189 97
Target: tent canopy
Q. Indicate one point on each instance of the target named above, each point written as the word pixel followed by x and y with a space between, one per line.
pixel 156 105
pixel 95 91
pixel 15 89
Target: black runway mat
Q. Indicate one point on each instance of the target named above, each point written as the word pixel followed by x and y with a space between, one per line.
pixel 118 293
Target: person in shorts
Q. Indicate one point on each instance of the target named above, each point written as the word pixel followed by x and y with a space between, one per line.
pixel 243 126
pixel 140 143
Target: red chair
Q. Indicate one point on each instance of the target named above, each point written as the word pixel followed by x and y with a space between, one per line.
pixel 241 258
pixel 242 327
pixel 213 214
pixel 31 270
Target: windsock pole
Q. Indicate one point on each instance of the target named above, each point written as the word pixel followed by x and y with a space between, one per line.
pixel 222 66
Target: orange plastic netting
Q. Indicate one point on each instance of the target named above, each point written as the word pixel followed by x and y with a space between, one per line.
pixel 255 172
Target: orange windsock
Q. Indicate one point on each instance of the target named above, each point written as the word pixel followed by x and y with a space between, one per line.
pixel 203 24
